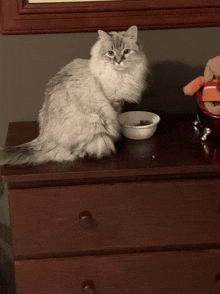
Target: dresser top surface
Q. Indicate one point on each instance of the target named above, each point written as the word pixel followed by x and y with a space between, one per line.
pixel 175 150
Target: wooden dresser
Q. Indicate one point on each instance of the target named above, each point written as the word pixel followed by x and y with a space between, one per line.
pixel 144 220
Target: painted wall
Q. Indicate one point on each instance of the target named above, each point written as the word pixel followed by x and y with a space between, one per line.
pixel 27 62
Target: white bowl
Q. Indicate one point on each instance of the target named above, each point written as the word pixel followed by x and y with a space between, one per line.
pixel 130 120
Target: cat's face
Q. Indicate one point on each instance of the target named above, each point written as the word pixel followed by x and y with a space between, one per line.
pixel 119 49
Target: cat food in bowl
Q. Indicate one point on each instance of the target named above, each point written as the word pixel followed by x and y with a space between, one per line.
pixel 138 125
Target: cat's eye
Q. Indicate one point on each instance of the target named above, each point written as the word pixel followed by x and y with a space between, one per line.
pixel 127 51
pixel 111 53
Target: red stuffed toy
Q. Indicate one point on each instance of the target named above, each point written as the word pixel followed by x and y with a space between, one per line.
pixel 211 84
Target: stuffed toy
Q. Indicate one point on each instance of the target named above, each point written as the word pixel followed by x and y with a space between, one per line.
pixel 211 86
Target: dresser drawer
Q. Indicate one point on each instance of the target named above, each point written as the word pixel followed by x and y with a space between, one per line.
pixel 83 218
pixel 179 272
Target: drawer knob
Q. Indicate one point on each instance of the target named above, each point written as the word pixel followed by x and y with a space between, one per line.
pixel 88 287
pixel 86 220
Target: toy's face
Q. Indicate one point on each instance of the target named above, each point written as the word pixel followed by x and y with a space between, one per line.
pixel 212 68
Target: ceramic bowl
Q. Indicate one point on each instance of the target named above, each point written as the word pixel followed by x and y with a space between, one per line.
pixel 138 125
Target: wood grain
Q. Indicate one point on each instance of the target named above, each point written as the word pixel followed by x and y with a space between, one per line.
pixel 151 216
pixel 45 222
pixel 186 272
pixel 175 150
pixel 21 17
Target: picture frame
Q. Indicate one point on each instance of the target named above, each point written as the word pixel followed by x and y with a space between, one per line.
pixel 23 17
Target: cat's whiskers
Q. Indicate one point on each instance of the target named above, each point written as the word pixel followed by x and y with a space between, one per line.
pixel 118 66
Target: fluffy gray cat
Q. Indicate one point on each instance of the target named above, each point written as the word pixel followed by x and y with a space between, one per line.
pixel 82 102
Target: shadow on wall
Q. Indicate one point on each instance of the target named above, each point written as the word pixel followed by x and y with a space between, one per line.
pixel 6 234
pixel 165 89
pixel 1 187
pixel 7 274
pixel 7 279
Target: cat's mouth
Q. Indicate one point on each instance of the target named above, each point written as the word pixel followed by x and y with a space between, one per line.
pixel 119 66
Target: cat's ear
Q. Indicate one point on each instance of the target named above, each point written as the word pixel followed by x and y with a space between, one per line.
pixel 132 33
pixel 103 35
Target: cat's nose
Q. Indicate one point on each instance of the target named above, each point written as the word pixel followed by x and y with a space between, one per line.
pixel 118 59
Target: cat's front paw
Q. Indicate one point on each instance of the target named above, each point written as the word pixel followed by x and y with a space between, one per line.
pixel 117 105
pixel 100 146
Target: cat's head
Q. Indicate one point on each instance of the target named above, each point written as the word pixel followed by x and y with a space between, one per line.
pixel 121 50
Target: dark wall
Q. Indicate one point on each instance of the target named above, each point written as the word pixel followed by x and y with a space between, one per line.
pixel 27 62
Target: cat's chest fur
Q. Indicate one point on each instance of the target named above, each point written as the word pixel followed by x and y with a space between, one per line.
pixel 117 85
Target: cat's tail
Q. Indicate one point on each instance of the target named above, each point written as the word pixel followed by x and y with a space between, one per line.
pixel 21 154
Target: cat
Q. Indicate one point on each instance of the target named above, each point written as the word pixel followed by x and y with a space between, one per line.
pixel 79 116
